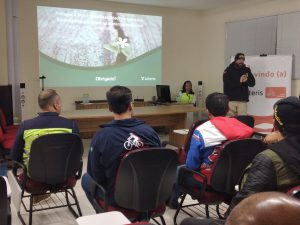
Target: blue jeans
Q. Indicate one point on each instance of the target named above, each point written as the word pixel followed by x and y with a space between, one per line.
pixel 3 168
pixel 86 182
pixel 188 180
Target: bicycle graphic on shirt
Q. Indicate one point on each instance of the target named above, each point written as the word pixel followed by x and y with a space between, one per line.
pixel 133 141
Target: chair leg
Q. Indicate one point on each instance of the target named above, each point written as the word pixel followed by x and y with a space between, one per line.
pixel 163 222
pixel 76 203
pixel 207 211
pixel 30 209
pixel 19 212
pixel 178 209
pixel 218 212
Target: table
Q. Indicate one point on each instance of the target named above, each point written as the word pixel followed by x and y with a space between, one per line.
pixel 107 218
pixel 172 116
pixel 103 104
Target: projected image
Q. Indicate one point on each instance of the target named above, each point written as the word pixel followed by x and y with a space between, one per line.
pixel 94 48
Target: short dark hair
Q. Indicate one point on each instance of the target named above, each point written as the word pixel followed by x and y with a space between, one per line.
pixel 119 99
pixel 239 56
pixel 46 98
pixel 217 104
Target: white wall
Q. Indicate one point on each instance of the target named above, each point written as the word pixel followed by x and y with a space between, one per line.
pixel 3 48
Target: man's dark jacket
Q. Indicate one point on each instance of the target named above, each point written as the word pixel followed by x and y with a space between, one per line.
pixel 235 90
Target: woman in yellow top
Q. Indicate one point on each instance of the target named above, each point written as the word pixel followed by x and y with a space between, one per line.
pixel 186 95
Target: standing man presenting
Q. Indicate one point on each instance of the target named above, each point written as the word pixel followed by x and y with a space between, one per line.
pixel 236 79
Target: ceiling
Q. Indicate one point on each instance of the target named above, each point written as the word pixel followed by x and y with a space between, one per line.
pixel 182 4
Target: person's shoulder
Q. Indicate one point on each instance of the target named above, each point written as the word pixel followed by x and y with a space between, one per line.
pixel 147 128
pixel 271 154
pixel 227 69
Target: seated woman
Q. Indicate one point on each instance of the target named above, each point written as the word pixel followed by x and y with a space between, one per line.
pixel 186 95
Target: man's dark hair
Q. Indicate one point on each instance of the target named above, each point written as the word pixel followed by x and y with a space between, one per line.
pixel 217 104
pixel 46 98
pixel 119 99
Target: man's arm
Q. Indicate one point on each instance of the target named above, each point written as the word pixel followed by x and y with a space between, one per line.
pixel 97 169
pixel 17 150
pixel 229 82
pixel 75 128
pixel 193 160
pixel 251 80
pixel 261 177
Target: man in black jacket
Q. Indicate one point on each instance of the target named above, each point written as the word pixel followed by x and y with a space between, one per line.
pixel 278 167
pixel 236 80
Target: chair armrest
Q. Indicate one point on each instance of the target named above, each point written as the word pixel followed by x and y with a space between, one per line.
pixel 16 166
pixel 95 188
pixel 182 172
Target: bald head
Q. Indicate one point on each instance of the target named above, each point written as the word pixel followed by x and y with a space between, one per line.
pixel 266 208
pixel 49 100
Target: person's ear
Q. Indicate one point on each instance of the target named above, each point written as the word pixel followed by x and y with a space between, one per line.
pixel 56 105
pixel 209 114
pixel 109 108
pixel 130 107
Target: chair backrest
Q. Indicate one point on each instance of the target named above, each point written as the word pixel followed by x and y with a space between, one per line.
pixel 246 119
pixel 145 178
pixel 187 141
pixel 3 202
pixel 3 122
pixel 234 158
pixel 55 157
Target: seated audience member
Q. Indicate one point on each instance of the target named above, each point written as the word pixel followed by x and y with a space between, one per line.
pixel 207 136
pixel 48 121
pixel 186 95
pixel 114 139
pixel 266 208
pixel 278 167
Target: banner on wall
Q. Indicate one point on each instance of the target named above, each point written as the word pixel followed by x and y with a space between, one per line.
pixel 273 81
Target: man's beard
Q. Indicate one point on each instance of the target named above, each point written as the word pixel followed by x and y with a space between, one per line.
pixel 240 65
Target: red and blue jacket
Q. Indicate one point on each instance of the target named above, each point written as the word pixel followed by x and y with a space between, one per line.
pixel 211 134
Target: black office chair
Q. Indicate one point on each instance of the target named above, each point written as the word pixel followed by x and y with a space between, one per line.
pixel 246 119
pixel 5 217
pixel 234 157
pixel 143 184
pixel 54 166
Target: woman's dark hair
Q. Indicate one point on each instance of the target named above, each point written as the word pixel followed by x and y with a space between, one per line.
pixel 119 98
pixel 183 87
pixel 217 104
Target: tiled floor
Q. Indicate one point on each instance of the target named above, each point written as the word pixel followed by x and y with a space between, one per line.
pixel 63 216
